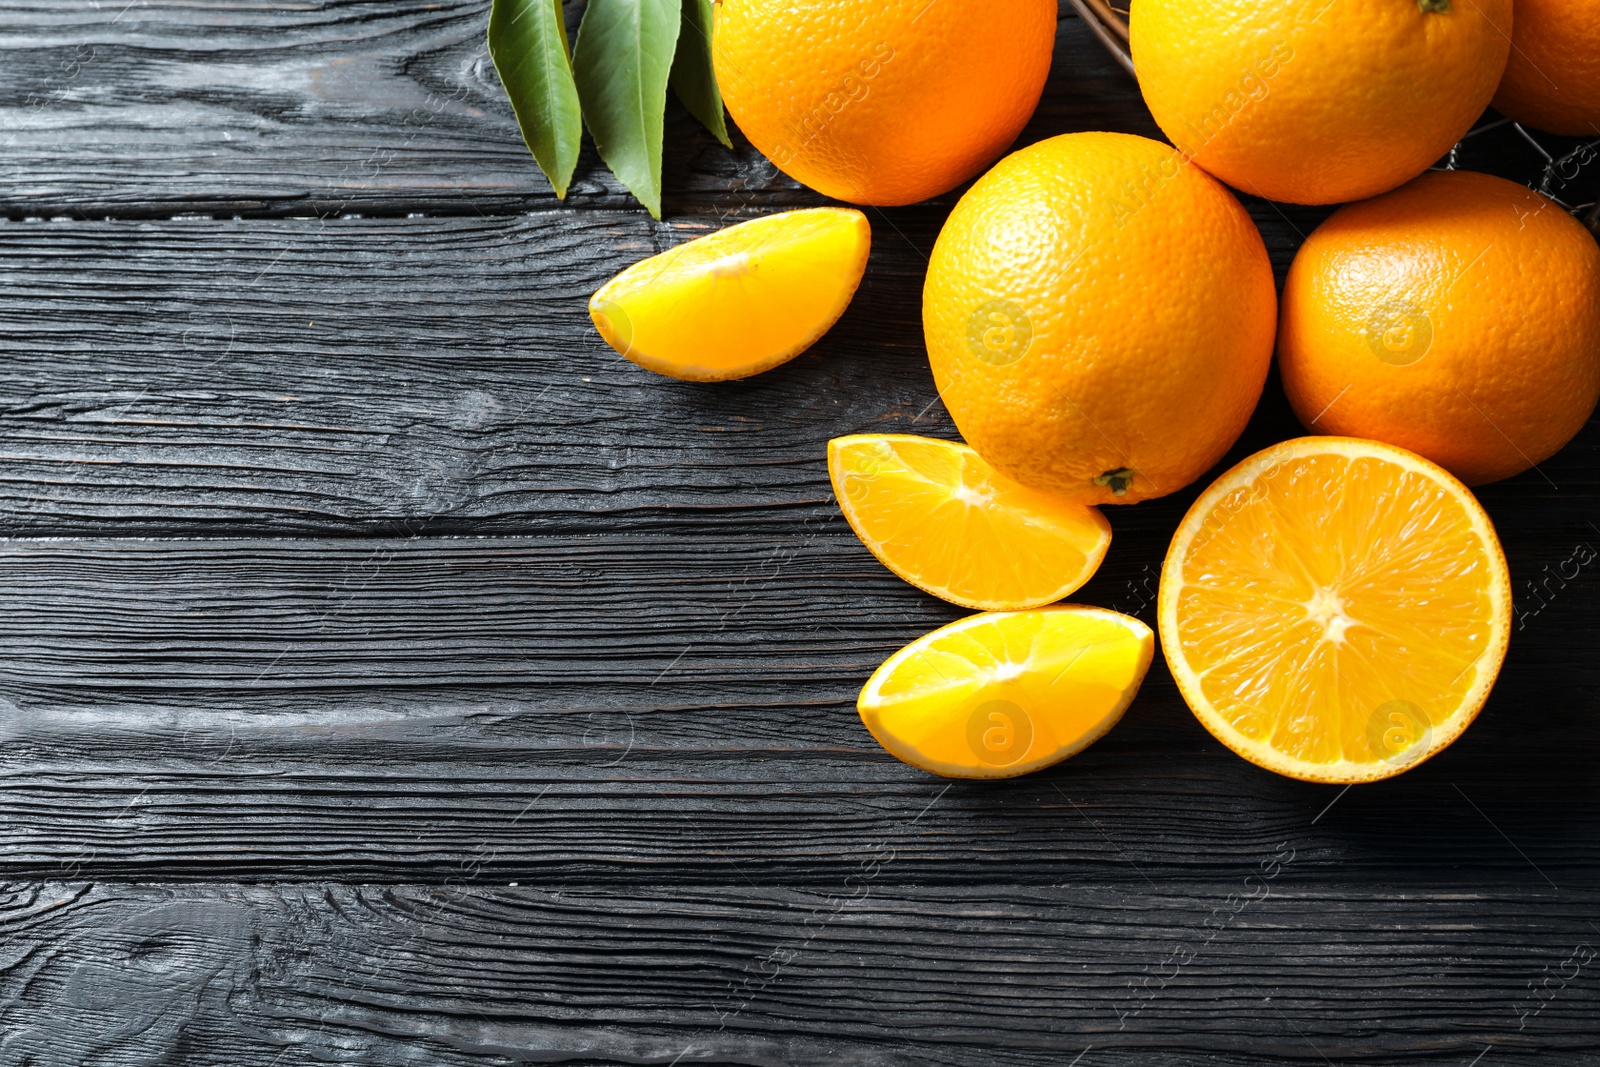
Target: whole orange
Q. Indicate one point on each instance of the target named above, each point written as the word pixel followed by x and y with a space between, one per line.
pixel 1319 102
pixel 1552 79
pixel 1099 316
pixel 887 102
pixel 1458 317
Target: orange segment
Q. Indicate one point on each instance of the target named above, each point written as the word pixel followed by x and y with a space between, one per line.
pixel 995 696
pixel 944 520
pixel 739 301
pixel 1335 609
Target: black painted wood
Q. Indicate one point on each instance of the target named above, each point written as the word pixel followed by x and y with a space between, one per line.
pixel 207 377
pixel 682 705
pixel 159 107
pixel 874 974
pixel 349 579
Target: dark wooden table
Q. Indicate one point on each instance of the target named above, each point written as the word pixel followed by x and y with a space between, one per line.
pixel 391 674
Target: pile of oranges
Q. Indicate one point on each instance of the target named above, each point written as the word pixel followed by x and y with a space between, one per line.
pixel 1100 316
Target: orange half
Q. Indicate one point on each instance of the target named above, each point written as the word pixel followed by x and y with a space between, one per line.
pixel 944 520
pixel 1335 610
pixel 738 301
pixel 998 695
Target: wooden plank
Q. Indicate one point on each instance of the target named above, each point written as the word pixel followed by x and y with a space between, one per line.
pixel 329 107
pixel 676 708
pixel 361 376
pixel 156 107
pixel 875 974
pixel 415 375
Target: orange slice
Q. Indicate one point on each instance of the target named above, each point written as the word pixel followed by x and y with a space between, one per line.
pixel 1335 609
pixel 944 520
pixel 995 696
pixel 738 301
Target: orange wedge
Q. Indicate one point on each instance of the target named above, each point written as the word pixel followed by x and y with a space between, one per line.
pixel 995 696
pixel 1335 610
pixel 944 520
pixel 738 301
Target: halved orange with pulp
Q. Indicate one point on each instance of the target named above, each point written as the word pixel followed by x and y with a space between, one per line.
pixel 940 517
pixel 1335 609
pixel 1002 694
pixel 738 301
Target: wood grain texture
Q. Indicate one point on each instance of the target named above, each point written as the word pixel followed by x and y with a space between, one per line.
pixel 159 107
pixel 873 974
pixel 156 108
pixel 679 705
pixel 441 376
pixel 348 578
pixel 399 376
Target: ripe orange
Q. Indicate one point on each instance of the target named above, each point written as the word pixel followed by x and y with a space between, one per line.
pixel 1320 102
pixel 1099 316
pixel 944 520
pixel 737 301
pixel 1552 79
pixel 1335 610
pixel 887 102
pixel 1458 317
pixel 995 696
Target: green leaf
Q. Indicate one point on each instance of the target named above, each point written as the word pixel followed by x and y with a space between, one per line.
pixel 621 62
pixel 528 43
pixel 693 78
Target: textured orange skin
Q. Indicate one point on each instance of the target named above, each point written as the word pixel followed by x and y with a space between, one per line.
pixel 1552 79
pixel 1510 287
pixel 883 102
pixel 1151 307
pixel 1322 102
